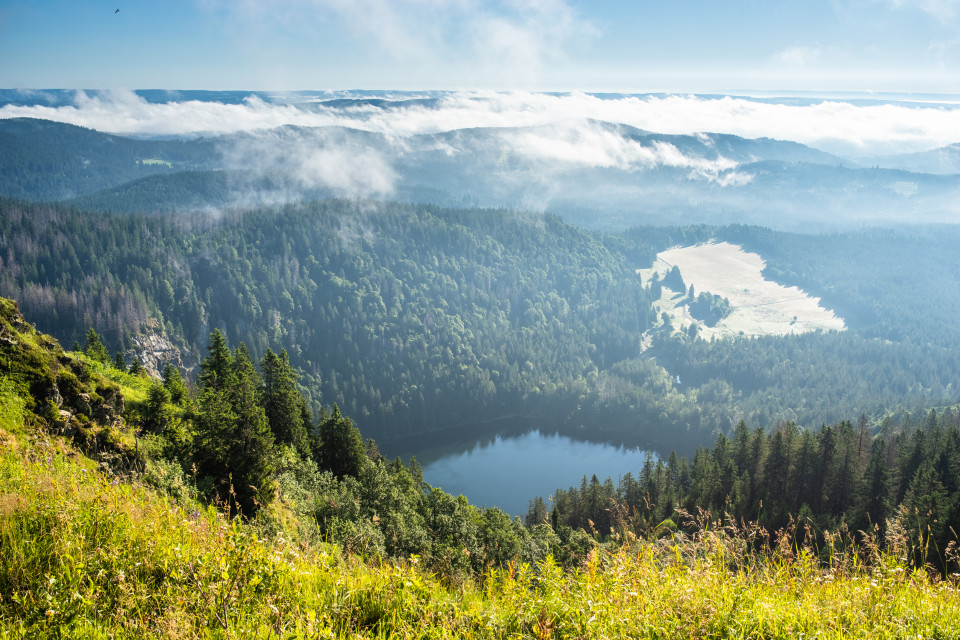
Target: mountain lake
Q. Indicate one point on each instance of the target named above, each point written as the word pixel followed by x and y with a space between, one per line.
pixel 509 468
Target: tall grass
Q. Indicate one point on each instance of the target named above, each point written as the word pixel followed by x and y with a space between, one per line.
pixel 82 555
pixel 12 408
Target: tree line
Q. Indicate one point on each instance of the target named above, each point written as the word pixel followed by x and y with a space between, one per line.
pixel 898 485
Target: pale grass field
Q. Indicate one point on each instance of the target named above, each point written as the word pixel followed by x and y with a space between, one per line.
pixel 761 307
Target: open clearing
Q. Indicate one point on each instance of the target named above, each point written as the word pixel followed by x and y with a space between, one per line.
pixel 760 306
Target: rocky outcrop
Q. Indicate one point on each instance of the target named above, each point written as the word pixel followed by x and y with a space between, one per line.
pixel 64 395
pixel 154 350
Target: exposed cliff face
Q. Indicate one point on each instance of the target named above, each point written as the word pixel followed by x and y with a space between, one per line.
pixel 155 349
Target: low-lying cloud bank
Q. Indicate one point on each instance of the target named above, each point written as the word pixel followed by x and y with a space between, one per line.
pixel 844 127
pixel 586 144
pixel 325 159
pixel 606 161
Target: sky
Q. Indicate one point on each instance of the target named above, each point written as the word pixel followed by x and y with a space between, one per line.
pixel 632 46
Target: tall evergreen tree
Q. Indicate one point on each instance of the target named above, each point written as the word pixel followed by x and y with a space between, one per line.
pixel 537 512
pixel 174 384
pixel 283 402
pixel 250 463
pixel 925 507
pixel 341 446
pixel 157 412
pixel 216 371
pixel 233 441
pixel 873 497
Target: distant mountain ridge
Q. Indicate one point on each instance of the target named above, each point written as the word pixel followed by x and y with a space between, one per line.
pixel 593 173
pixel 941 161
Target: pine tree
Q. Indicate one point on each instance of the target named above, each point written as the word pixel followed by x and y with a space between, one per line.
pixel 873 497
pixel 94 348
pixel 341 446
pixel 233 441
pixel 537 513
pixel 283 402
pixel 157 411
pixel 926 505
pixel 174 384
pixel 250 463
pixel 216 371
pixel 136 368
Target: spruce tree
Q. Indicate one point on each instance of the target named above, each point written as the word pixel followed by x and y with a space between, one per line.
pixel 174 384
pixel 252 446
pixel 873 498
pixel 94 348
pixel 216 370
pixel 136 368
pixel 157 411
pixel 283 402
pixel 233 441
pixel 341 446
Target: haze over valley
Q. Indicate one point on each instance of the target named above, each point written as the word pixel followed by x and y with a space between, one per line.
pixel 536 319
pixel 468 318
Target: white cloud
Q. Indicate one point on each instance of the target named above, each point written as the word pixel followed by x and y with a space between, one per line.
pixel 837 126
pixel 799 56
pixel 510 40
pixel 323 159
pixel 587 144
pixel 943 10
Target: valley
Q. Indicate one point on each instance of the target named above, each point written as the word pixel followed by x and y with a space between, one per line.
pixel 580 321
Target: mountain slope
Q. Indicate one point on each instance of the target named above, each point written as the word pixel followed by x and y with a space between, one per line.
pixel 43 160
pixel 942 161
pixel 596 174
pixel 418 319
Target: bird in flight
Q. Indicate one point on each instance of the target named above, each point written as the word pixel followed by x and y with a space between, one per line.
pixel 117 11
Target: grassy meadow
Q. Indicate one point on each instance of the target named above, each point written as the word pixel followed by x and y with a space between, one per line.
pixel 83 554
pixel 760 307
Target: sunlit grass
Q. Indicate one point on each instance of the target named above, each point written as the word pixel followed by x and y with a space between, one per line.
pixel 135 387
pixel 85 556
pixel 12 407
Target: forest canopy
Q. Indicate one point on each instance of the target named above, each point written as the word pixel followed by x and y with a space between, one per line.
pixel 415 319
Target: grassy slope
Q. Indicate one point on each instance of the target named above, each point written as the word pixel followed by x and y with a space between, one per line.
pixel 86 554
pixel 87 558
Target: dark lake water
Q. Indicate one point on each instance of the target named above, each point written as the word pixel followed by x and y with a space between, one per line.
pixel 509 469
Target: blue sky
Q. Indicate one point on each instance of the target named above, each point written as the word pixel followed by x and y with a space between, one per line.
pixel 638 46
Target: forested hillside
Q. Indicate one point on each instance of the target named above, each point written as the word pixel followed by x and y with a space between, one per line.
pixel 899 486
pixel 152 509
pixel 44 160
pixel 416 319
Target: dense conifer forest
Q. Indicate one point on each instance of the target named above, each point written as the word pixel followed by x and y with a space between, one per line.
pixel 415 319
